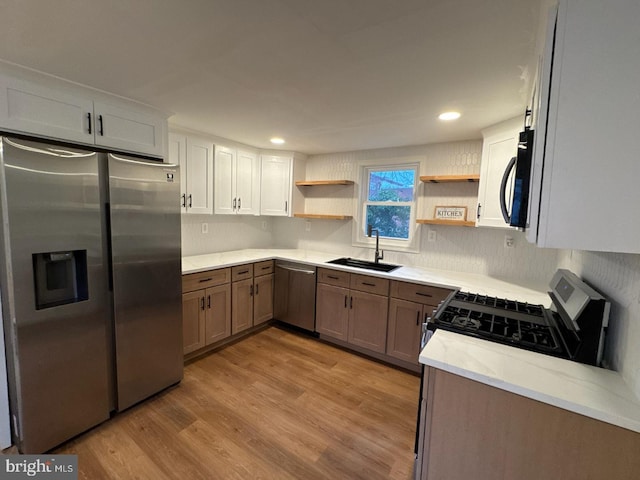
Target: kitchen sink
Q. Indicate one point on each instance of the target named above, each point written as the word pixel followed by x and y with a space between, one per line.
pixel 352 262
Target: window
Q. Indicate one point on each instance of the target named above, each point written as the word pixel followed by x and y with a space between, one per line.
pixel 388 205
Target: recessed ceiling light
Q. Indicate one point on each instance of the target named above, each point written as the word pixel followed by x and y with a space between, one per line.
pixel 277 140
pixel 449 116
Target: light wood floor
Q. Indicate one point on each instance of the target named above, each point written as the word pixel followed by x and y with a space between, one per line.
pixel 276 405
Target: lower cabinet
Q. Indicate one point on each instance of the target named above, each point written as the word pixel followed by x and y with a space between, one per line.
pixel 504 435
pixel 251 295
pixel 352 308
pixel 206 308
pixel 409 307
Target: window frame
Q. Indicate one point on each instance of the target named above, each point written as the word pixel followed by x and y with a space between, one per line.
pixel 360 238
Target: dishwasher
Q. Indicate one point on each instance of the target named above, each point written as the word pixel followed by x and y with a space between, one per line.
pixel 295 294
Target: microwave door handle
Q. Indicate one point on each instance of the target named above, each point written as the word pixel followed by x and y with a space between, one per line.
pixel 503 190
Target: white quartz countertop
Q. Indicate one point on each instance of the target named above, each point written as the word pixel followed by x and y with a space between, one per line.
pixel 584 389
pixel 482 284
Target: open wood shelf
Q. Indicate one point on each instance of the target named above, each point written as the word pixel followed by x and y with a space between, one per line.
pixel 450 178
pixel 322 216
pixel 312 183
pixel 434 221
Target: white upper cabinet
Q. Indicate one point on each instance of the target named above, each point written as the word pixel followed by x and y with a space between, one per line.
pixel 237 182
pixel 72 114
pixel 585 191
pixel 499 146
pixel 276 185
pixel 125 128
pixel 195 157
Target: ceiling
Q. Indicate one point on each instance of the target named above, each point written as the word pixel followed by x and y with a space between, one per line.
pixel 327 75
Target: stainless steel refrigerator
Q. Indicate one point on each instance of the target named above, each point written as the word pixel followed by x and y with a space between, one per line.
pixel 91 286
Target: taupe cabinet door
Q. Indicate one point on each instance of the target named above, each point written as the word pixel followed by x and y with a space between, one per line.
pixel 368 320
pixel 263 299
pixel 332 312
pixel 403 336
pixel 241 305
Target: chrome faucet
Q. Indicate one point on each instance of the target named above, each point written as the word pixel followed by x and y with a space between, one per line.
pixel 379 253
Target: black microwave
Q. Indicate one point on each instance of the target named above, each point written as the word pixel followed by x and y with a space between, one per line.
pixel 517 217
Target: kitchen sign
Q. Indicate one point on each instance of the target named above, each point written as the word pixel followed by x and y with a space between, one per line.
pixel 458 214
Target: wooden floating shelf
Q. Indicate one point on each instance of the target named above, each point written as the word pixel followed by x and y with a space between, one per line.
pixel 457 223
pixel 450 178
pixel 322 217
pixel 312 183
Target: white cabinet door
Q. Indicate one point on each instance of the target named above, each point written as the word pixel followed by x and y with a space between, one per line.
pixel 199 176
pixel 588 192
pixel 247 183
pixel 128 129
pixel 224 181
pixel 500 145
pixel 30 108
pixel 178 156
pixel 275 185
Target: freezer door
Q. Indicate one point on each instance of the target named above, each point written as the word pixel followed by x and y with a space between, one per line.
pixel 145 249
pixel 55 296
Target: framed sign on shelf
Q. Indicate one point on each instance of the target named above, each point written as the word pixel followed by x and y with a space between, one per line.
pixel 452 213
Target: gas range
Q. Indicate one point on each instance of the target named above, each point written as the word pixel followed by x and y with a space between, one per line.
pixel 572 328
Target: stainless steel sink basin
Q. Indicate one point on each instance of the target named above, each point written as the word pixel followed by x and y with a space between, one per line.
pixel 352 262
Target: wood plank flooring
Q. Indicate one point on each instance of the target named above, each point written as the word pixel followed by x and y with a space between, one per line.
pixel 276 405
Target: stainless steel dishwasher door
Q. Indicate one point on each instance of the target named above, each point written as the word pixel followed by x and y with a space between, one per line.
pixel 295 294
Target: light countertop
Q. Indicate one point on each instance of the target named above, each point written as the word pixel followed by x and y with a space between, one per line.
pixel 584 389
pixel 473 282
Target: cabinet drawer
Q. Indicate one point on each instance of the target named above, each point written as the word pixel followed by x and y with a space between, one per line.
pixel 333 277
pixel 210 278
pixel 364 283
pixel 414 292
pixel 263 268
pixel 241 272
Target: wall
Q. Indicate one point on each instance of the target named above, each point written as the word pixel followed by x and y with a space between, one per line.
pixel 226 232
pixel 617 276
pixel 477 250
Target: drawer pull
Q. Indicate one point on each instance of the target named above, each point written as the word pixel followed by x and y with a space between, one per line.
pixel 243 272
pixel 333 277
pixel 267 267
pixel 202 280
pixel 369 284
pixel 424 294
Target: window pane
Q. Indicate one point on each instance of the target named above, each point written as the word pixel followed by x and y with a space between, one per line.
pixel 390 220
pixel 391 185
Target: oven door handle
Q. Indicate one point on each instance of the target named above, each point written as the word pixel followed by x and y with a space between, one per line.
pixel 503 190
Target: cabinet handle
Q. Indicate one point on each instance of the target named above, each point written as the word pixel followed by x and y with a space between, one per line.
pixel 243 272
pixel 286 206
pixel 333 277
pixel 89 119
pixel 251 291
pixel 424 294
pixel 234 204
pixel 184 200
pixel 256 289
pixel 478 210
pixel 345 301
pixel 418 317
pixel 351 304
pixel 202 280
pixel 369 284
pixel 101 131
pixel 266 268
pixel 190 201
pixel 202 303
pixel 239 203
pixel 208 301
